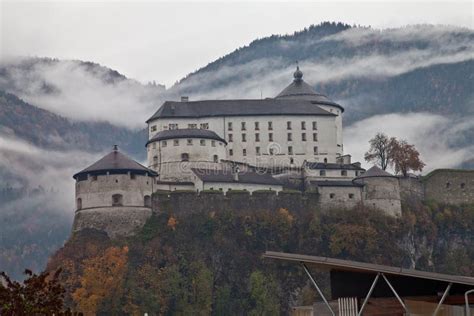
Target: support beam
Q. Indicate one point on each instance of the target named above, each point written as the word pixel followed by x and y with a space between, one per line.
pixel 396 294
pixel 372 287
pixel 317 288
pixel 446 292
pixel 466 299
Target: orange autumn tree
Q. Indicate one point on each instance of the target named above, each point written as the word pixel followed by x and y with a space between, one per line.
pixel 102 279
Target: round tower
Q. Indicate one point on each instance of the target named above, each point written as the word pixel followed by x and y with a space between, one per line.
pixel 172 153
pixel 113 195
pixel 381 190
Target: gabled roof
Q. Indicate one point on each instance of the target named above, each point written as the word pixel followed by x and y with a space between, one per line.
pixel 337 166
pixel 245 107
pixel 186 133
pixel 115 162
pixel 226 176
pixel 375 172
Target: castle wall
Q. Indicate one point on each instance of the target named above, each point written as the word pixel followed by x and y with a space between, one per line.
pixel 314 174
pixel 98 193
pixel 382 193
pixel 115 221
pixel 411 189
pixel 338 121
pixel 449 186
pixel 327 137
pixel 339 197
pixel 235 186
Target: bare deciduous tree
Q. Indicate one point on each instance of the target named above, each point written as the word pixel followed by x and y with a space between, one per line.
pixel 380 150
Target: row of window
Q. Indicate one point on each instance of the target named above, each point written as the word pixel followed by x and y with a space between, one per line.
pixel 333 195
pixel 243 125
pixel 185 157
pixel 462 185
pixel 289 137
pixel 117 200
pixel 189 142
pixel 271 151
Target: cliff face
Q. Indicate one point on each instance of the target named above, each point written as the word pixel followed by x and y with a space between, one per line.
pixel 209 260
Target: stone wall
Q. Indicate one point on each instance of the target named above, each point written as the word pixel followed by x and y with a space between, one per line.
pixel 115 221
pixel 339 197
pixel 382 193
pixel 411 188
pixel 449 186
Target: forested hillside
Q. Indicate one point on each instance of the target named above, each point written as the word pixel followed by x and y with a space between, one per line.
pixel 211 263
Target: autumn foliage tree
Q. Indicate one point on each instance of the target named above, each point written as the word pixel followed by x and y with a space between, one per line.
pixel 37 295
pixel 405 157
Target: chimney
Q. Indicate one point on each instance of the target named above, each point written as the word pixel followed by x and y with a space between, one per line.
pixel 236 174
pixel 184 99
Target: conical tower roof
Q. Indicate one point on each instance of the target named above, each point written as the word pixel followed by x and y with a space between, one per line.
pixel 375 172
pixel 115 163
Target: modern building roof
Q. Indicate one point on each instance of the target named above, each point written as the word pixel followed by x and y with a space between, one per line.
pixel 299 89
pixel 227 176
pixel 335 183
pixel 355 266
pixel 337 166
pixel 186 133
pixel 244 107
pixel 375 172
pixel 115 163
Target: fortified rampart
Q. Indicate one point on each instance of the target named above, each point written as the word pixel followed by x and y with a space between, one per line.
pixel 449 186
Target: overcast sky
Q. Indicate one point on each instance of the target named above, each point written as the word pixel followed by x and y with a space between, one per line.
pixel 164 41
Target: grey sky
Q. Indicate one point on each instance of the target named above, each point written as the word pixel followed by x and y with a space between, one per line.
pixel 164 41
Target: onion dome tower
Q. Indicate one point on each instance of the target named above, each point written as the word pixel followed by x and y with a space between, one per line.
pixel 113 195
pixel 381 190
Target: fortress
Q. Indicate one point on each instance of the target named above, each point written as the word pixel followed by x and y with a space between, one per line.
pixel 273 146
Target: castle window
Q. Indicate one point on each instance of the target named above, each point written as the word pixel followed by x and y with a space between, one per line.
pixel 315 150
pixel 315 137
pixel 292 161
pixel 189 142
pixel 216 158
pixel 288 125
pixel 289 137
pixel 257 137
pixel 257 151
pixel 303 137
pixel 147 201
pixel 184 157
pixel 257 126
pixel 357 173
pixel 230 138
pixel 153 128
pixel 213 143
pixel 176 142
pixel 133 176
pixel 155 159
pixel 271 151
pixel 231 152
pixel 244 137
pixel 117 200
pixel 343 172
pixel 173 126
pixel 315 126
pixel 229 126
pixel 290 150
pixel 270 137
pixel 463 185
pixel 303 125
pixel 244 152
pixel 351 195
pixel 325 160
pixel 79 203
pixel 164 143
pixel 448 185
pixel 94 178
pixel 270 126
pixel 332 195
pixel 243 126
pixel 204 125
pixel 202 142
pixel 153 145
pixel 322 173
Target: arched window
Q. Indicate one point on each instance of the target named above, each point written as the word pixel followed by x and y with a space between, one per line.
pixel 117 200
pixel 325 160
pixel 184 157
pixel 79 203
pixel 216 158
pixel 147 201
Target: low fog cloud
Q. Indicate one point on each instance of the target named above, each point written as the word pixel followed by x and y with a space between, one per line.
pixel 436 137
